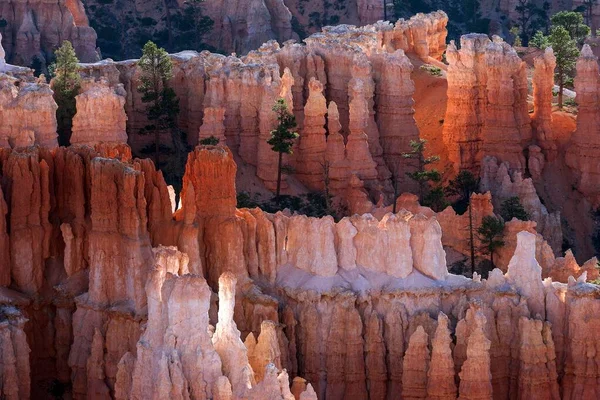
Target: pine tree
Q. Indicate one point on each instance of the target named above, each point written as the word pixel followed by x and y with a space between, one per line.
pixel 490 233
pixel 162 103
pixel 566 53
pixel 463 186
pixel 573 23
pixel 512 208
pixel 66 83
pixel 282 137
pixel 422 175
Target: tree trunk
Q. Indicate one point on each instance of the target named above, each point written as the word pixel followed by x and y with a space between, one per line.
pixel 492 258
pixel 471 239
pixel 279 176
pixel 561 86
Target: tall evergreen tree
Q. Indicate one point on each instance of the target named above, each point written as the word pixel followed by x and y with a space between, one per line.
pixel 463 186
pixel 66 83
pixel 422 175
pixel 573 23
pixel 490 233
pixel 282 138
pixel 162 103
pixel 566 53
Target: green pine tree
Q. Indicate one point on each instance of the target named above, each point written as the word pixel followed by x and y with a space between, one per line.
pixel 162 103
pixel 422 175
pixel 66 83
pixel 463 186
pixel 566 53
pixel 512 208
pixel 282 138
pixel 491 233
pixel 573 23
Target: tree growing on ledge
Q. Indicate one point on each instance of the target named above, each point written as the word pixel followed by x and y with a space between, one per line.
pixel 282 137
pixel 162 103
pixel 422 175
pixel 490 233
pixel 66 83
pixel 566 52
pixel 512 208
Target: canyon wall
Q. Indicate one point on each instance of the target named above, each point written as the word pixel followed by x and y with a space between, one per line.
pixel 367 67
pixel 584 147
pixel 34 29
pixel 487 110
pixel 358 300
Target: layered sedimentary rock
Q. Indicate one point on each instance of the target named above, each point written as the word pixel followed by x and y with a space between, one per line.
pixel 543 84
pixel 100 115
pixel 487 110
pixel 27 113
pixel 503 184
pixel 243 26
pixel 246 88
pixel 35 29
pixel 14 362
pixel 585 142
pixel 347 327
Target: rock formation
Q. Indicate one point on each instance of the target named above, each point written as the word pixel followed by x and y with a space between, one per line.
pixel 100 114
pixel 27 113
pixel 243 26
pixel 35 29
pixel 487 110
pixel 543 84
pixel 585 142
pixel 119 286
pixel 502 184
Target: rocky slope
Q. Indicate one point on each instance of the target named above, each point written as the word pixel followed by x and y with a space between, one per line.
pixel 108 289
pixel 34 29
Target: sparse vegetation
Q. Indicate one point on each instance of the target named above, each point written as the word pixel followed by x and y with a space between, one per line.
pixel 491 233
pixel 566 53
pixel 282 138
pixel 66 83
pixel 422 175
pixel 512 208
pixel 162 109
pixel 432 70
pixel 209 141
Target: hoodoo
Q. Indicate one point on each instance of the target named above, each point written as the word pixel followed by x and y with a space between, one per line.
pixel 432 235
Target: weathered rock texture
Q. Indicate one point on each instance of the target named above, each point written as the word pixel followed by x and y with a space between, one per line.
pixel 487 110
pixel 27 113
pixel 100 114
pixel 543 84
pixel 585 142
pixel 243 26
pixel 497 179
pixel 351 304
pixel 34 29
pixel 231 98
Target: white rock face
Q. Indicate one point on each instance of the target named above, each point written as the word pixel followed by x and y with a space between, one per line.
pixel 384 246
pixel 227 342
pixel 428 253
pixel 310 245
pixel 525 273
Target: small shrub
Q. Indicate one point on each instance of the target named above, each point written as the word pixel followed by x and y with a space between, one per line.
pixel 432 70
pixel 209 141
pixel 569 101
pixel 512 208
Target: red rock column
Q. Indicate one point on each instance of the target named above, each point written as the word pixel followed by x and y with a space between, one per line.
pixel 584 147
pixel 543 84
